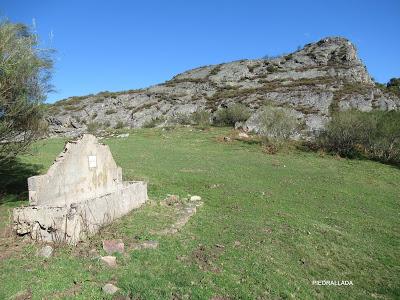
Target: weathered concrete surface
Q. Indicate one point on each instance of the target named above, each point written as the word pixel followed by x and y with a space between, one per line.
pixel 77 196
pixel 85 169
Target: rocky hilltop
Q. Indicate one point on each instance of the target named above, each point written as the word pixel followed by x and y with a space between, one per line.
pixel 312 83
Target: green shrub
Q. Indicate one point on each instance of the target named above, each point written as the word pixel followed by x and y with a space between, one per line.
pixel 98 100
pixel 93 127
pixel 232 114
pixel 394 86
pixel 374 135
pixel 120 125
pixel 110 111
pixel 385 140
pixel 345 131
pixel 154 122
pixel 278 123
pixel 106 94
pixel 215 70
pixel 202 118
pixel 73 108
pixel 272 68
pixel 182 118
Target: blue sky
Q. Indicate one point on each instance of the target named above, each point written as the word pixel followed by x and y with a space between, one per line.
pixel 119 45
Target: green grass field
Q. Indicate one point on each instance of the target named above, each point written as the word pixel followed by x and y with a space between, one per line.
pixel 269 226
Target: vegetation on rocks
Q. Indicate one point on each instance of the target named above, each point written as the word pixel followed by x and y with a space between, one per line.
pixel 315 81
pixel 110 111
pixel 119 125
pixel 229 116
pixel 374 135
pixel 182 119
pixel 394 86
pixel 93 127
pixel 153 122
pixel 278 123
pixel 201 118
pixel 277 126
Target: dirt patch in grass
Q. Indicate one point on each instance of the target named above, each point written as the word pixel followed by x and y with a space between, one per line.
pixel 205 258
pixel 73 291
pixel 23 295
pixel 10 244
pixel 11 247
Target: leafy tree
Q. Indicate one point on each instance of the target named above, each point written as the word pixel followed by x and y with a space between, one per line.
pixel 25 72
pixel 394 86
pixel 394 82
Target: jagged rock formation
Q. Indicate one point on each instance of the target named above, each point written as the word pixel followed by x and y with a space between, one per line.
pixel 311 82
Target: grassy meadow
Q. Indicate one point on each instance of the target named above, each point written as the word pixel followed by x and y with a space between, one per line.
pixel 269 226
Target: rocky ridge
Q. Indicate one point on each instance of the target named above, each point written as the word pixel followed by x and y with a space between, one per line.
pixel 312 83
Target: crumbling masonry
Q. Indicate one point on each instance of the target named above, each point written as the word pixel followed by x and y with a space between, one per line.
pixel 82 191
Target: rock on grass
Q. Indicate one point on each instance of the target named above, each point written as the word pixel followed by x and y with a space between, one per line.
pixel 195 198
pixel 45 252
pixel 110 261
pixel 113 246
pixel 110 289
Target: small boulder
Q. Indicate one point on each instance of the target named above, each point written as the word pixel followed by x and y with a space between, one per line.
pixel 113 246
pixel 110 261
pixel 195 198
pixel 149 245
pixel 45 252
pixel 94 254
pixel 172 200
pixel 145 245
pixel 214 186
pixel 110 289
pixel 243 135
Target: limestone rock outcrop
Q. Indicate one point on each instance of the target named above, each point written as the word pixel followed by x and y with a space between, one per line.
pixel 312 82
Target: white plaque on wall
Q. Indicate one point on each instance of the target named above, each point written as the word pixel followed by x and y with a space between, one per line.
pixel 92 161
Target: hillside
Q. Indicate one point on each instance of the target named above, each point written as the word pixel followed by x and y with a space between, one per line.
pixel 312 82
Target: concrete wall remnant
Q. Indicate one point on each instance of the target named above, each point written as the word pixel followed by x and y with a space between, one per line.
pixel 82 191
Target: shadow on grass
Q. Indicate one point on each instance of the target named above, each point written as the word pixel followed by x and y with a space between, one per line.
pixel 251 141
pixel 14 179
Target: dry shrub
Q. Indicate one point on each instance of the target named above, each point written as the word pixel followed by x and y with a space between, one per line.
pixel 374 135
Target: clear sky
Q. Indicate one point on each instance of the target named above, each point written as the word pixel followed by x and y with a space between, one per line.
pixel 118 45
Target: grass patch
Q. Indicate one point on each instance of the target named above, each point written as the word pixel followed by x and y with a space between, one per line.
pixel 175 81
pixel 268 227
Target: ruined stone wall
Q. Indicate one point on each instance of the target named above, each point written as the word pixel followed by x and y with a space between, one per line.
pixel 85 170
pixel 82 191
pixel 75 222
